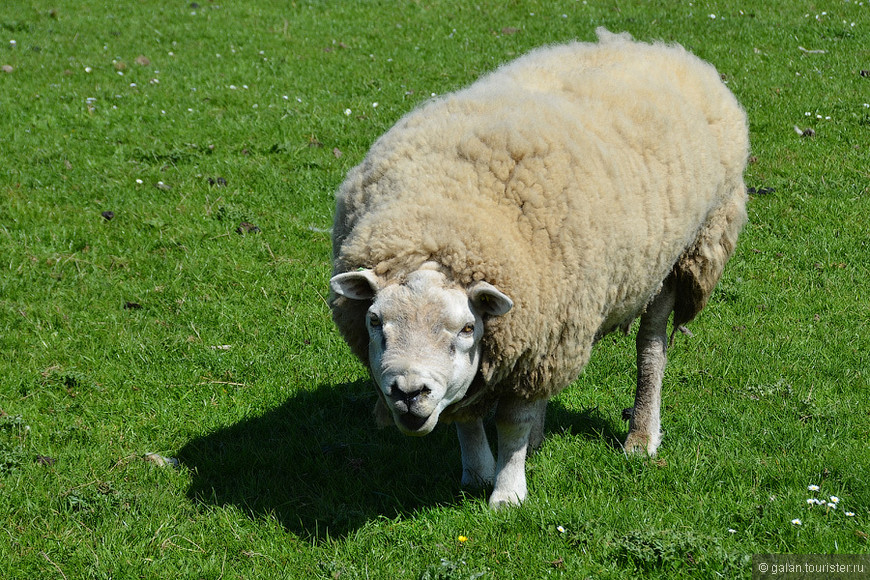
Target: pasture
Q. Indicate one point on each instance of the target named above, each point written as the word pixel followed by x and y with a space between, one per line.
pixel 176 403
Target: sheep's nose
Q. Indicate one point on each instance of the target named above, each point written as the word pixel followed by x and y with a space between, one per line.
pixel 408 392
pixel 411 397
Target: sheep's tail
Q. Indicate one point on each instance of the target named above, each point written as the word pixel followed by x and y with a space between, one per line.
pixel 607 37
pixel 701 266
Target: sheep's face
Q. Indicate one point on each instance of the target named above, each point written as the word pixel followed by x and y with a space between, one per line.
pixel 424 339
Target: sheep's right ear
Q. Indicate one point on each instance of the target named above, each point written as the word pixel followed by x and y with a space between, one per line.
pixel 359 285
pixel 488 299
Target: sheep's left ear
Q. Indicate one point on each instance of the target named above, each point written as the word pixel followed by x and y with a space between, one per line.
pixel 359 285
pixel 487 299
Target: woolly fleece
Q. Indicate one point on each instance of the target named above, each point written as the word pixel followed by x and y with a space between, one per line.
pixel 575 179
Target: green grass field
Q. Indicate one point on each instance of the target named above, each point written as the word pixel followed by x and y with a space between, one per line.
pixel 164 330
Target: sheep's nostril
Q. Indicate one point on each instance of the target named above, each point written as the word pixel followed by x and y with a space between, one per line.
pixel 401 392
pixel 413 396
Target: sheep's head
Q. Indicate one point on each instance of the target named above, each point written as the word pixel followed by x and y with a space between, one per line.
pixel 424 339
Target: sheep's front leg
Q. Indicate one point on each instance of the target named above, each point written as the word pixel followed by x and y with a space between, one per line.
pixel 644 433
pixel 514 420
pixel 478 464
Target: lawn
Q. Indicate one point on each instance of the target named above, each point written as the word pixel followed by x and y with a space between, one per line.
pixel 176 403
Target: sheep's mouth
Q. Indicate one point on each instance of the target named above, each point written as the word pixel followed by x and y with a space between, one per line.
pixel 412 422
pixel 415 425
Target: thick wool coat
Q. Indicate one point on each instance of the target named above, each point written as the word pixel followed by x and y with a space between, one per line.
pixel 576 179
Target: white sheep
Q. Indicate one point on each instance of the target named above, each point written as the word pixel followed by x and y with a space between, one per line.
pixel 494 234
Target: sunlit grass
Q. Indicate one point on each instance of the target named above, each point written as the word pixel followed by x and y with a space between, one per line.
pixel 167 329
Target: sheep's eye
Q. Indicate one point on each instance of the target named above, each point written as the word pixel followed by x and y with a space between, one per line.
pixel 468 329
pixel 374 320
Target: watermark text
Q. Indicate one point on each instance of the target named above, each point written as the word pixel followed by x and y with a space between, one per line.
pixel 811 566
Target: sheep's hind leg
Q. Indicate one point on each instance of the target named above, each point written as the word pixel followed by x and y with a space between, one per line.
pixel 644 433
pixel 478 464
pixel 514 420
pixel 536 432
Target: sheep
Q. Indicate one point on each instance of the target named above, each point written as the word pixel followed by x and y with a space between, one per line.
pixel 494 234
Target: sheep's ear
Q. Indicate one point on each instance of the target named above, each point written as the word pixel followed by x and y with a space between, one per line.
pixel 359 285
pixel 487 299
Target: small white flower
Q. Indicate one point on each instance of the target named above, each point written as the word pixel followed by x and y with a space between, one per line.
pixel 796 522
pixel 120 73
pixel 88 69
pixel 713 17
pixel 12 43
pixel 808 114
pixel 133 85
pixel 286 98
pixel 732 531
pixel 374 105
pixel 811 501
pixel 833 506
pixel 835 499
pixel 561 529
pixel 812 487
pixel 245 87
pixel 849 514
pixel 171 53
pixel 232 87
pixel 190 110
pixel 348 112
pixel 139 181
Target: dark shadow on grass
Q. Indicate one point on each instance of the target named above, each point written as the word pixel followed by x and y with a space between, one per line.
pixel 589 424
pixel 320 466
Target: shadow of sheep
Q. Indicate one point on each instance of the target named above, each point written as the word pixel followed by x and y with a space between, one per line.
pixel 321 468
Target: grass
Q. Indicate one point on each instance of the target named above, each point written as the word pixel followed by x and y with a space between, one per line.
pixel 163 330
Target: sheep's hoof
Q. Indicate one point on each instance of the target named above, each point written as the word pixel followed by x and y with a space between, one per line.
pixel 500 500
pixel 637 443
pixel 627 414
